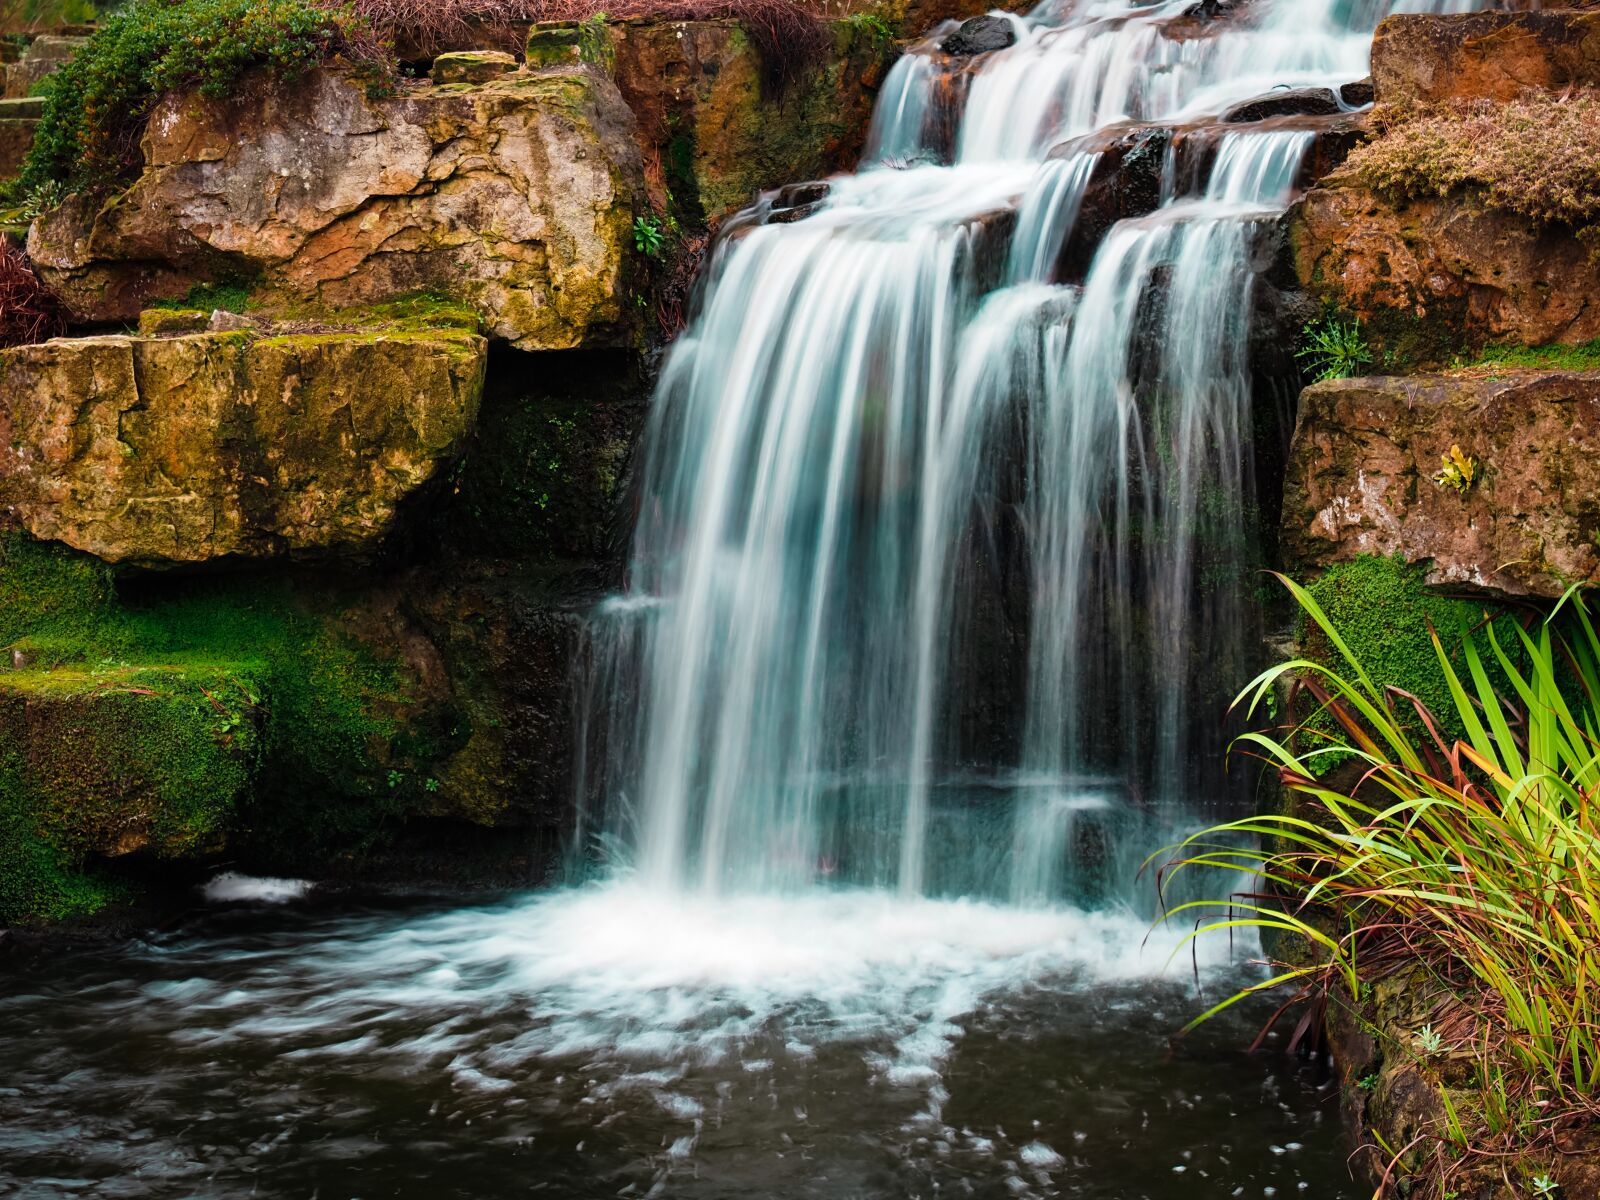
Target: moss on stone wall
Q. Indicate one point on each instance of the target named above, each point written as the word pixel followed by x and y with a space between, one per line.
pixel 1386 615
pixel 168 717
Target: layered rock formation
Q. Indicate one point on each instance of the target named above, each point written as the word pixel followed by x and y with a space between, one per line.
pixel 516 196
pixel 164 451
pixel 1444 267
pixel 1361 478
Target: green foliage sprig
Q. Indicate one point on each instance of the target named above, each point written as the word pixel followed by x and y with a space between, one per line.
pixel 1334 349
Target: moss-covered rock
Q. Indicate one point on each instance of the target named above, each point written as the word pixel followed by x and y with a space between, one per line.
pixel 472 66
pixel 516 197
pixel 156 451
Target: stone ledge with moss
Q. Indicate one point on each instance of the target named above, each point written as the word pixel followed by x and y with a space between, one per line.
pixel 516 197
pixel 1488 475
pixel 105 762
pixel 170 450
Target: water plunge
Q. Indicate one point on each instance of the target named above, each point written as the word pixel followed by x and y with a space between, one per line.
pixel 942 573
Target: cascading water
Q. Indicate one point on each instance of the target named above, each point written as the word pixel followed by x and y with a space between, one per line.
pixel 937 594
pixel 943 549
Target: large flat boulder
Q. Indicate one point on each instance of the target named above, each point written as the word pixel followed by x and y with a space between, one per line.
pixel 1365 453
pixel 1484 56
pixel 516 196
pixel 165 451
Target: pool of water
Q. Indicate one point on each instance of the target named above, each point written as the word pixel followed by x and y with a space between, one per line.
pixel 606 1041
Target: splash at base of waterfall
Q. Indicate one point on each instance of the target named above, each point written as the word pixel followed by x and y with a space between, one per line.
pixel 613 1040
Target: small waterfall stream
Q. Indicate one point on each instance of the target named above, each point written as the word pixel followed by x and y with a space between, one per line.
pixel 942 571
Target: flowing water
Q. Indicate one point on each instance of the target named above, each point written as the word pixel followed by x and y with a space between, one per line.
pixel 941 580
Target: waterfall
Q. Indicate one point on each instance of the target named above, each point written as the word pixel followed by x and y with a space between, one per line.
pixel 945 545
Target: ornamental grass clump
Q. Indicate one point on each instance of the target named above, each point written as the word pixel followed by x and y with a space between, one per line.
pixel 1475 859
pixel 96 105
pixel 29 311
pixel 1538 156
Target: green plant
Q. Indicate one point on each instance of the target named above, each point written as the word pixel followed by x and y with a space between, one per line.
pixel 1333 349
pixel 1543 1185
pixel 97 103
pixel 869 27
pixel 41 198
pixel 1429 1040
pixel 1477 858
pixel 231 296
pixel 649 239
pixel 1460 471
pixel 1368 1082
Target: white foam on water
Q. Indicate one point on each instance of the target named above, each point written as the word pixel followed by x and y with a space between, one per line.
pixel 233 888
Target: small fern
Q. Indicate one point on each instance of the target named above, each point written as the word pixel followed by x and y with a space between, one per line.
pixel 1334 349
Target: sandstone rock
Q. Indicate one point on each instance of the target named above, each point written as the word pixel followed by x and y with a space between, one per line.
pixel 1291 102
pixel 16 139
pixel 1360 478
pixel 472 66
pixel 696 88
pixel 44 57
pixel 167 322
pixel 1488 55
pixel 1484 273
pixel 157 452
pixel 980 35
pixel 517 197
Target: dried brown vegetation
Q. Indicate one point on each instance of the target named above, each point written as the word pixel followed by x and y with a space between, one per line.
pixel 1538 156
pixel 787 35
pixel 29 311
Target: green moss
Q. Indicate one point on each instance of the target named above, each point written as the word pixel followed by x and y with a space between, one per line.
pixel 1385 613
pixel 110 759
pixel 227 296
pixel 1582 357
pixel 211 707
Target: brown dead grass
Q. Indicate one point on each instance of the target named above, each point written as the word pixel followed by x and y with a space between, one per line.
pixel 29 311
pixel 787 35
pixel 1538 156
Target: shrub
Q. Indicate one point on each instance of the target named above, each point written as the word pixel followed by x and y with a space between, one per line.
pixel 1538 156
pixel 29 311
pixel 1475 858
pixel 96 105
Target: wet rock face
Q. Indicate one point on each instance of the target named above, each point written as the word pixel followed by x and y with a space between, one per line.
pixel 720 136
pixel 1294 102
pixel 515 196
pixel 980 35
pixel 1365 451
pixel 168 451
pixel 1490 55
pixel 1486 273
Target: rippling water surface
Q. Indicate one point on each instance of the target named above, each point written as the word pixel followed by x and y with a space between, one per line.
pixel 609 1041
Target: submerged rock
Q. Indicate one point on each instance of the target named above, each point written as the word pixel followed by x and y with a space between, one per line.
pixel 189 449
pixel 1365 453
pixel 980 35
pixel 516 196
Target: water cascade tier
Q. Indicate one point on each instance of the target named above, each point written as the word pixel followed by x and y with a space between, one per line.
pixel 948 516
